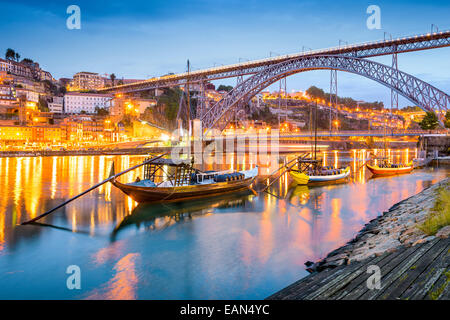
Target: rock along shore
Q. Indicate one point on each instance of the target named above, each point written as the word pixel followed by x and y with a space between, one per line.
pixel 391 230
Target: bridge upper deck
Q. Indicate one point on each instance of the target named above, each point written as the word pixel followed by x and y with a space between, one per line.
pixel 361 50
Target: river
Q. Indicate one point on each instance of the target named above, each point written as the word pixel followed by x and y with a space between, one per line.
pixel 241 246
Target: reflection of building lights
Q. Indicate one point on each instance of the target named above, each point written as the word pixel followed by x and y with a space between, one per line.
pixel 165 137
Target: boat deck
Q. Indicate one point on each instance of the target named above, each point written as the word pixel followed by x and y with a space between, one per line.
pixel 413 273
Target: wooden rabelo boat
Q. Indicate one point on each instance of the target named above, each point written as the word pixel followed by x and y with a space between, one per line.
pixel 181 181
pixel 309 171
pixel 385 168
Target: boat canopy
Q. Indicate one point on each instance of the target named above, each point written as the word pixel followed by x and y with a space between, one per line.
pixel 171 162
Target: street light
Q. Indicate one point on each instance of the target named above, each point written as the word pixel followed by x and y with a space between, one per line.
pixel 336 124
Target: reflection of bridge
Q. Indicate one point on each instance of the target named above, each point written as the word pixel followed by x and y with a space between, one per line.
pixel 347 58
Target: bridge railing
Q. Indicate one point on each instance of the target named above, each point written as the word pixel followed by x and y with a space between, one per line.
pixel 332 50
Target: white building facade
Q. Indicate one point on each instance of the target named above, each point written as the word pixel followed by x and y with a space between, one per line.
pixel 76 102
pixel 56 106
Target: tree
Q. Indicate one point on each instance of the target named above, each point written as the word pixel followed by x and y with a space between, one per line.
pixel 447 120
pixel 113 78
pixel 429 122
pixel 411 109
pixel 101 111
pixel 170 100
pixel 17 57
pixel 10 54
pixel 62 90
pixel 315 92
pixel 224 88
pixel 43 104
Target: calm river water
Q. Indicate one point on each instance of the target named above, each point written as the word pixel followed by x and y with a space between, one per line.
pixel 233 247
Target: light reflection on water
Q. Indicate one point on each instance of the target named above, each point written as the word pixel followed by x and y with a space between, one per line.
pixel 230 247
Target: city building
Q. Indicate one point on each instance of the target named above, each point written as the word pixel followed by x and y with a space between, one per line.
pixel 56 105
pixel 134 107
pixel 77 102
pixel 82 128
pixel 86 81
pixel 16 68
pixel 28 94
pixel 15 134
pixel 26 69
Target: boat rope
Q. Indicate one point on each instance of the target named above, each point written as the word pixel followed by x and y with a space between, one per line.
pixel 282 167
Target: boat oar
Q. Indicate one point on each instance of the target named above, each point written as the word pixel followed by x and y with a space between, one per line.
pixel 111 176
pixel 253 190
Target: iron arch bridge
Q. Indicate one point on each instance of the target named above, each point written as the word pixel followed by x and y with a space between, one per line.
pixel 420 93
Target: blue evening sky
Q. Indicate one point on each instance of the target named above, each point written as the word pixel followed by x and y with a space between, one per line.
pixel 141 39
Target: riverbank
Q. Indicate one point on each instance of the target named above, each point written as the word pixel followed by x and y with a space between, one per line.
pixel 393 229
pixel 412 265
pixel 93 152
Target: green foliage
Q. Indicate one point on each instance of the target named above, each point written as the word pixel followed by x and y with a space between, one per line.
pixel 411 109
pixel 170 100
pixel 434 295
pixel 318 93
pixel 315 92
pixel 225 88
pixel 429 122
pixel 113 78
pixel 439 215
pixel 28 60
pixel 101 111
pixel 50 87
pixel 264 114
pixel 447 120
pixel 127 121
pixel 10 54
pixel 413 125
pixel 43 105
pixel 62 90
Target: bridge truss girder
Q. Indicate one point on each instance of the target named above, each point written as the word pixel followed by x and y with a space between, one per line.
pixel 422 94
pixel 365 50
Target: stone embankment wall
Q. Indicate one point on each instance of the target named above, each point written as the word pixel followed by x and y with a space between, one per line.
pixel 394 228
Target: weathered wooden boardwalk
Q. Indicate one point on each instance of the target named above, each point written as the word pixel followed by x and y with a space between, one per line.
pixel 413 273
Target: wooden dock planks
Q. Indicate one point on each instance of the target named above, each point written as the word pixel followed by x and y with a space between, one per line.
pixel 412 273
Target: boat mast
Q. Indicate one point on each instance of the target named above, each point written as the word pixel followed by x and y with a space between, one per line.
pixel 188 100
pixel 315 133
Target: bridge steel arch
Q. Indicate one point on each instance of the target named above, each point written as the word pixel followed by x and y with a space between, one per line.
pixel 422 94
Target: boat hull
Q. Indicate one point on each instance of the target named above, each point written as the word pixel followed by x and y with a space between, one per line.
pixel 174 194
pixel 302 178
pixel 389 171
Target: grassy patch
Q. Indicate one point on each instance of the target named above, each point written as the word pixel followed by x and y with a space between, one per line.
pixel 439 215
pixel 434 295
